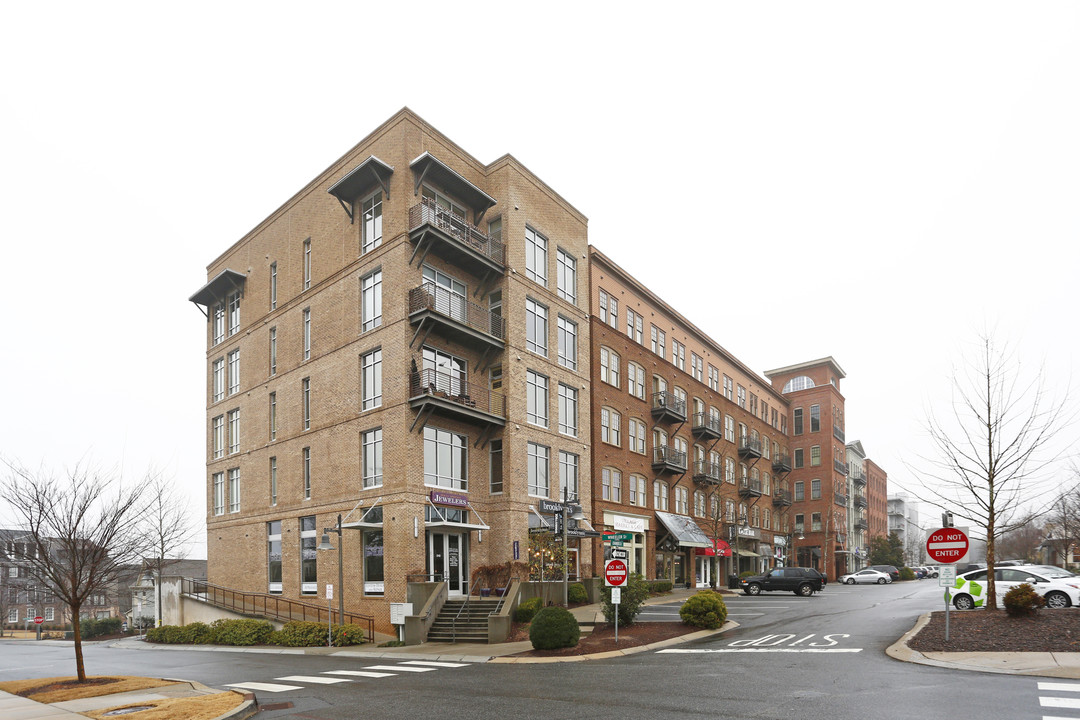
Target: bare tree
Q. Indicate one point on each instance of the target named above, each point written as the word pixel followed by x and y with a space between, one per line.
pixel 993 446
pixel 1022 543
pixel 79 530
pixel 168 528
pixel 1063 520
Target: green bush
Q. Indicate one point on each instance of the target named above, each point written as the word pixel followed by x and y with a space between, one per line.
pixel 576 594
pixel 527 609
pixel 198 633
pixel 348 635
pixel 157 634
pixel 554 627
pixel 634 594
pixel 93 627
pixel 748 573
pixel 705 610
pixel 660 586
pixel 241 632
pixel 297 633
pixel 1022 600
pixel 907 573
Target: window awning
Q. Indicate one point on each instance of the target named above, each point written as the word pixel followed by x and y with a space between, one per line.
pixel 428 166
pixel 684 530
pixel 747 553
pixel 225 282
pixel 359 180
pixel 367 519
pixel 481 525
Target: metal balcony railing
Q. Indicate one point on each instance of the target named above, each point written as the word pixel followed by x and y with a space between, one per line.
pixel 858 477
pixel 860 501
pixel 749 447
pixel 781 463
pixel 750 487
pixel 428 213
pixel 668 456
pixel 781 497
pixel 838 432
pixel 840 499
pixel 430 296
pixel 705 471
pixel 665 403
pixel 840 467
pixel 706 424
pixel 455 388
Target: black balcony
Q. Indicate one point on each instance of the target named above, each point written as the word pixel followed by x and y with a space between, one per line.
pixel 665 458
pixel 838 432
pixel 840 467
pixel 706 472
pixel 750 488
pixel 781 463
pixel 433 308
pixel 840 499
pixel 442 233
pixel 781 498
pixel 749 447
pixel 862 525
pixel 860 501
pixel 448 394
pixel 707 426
pixel 668 408
pixel 858 478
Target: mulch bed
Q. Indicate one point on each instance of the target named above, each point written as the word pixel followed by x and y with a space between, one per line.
pixel 65 684
pixel 997 631
pixel 602 638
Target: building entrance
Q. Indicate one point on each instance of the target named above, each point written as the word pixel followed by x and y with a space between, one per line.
pixel 448 558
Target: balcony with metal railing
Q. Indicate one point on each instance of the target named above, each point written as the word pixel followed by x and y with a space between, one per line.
pixel 705 425
pixel 781 463
pixel 433 308
pixel 858 477
pixel 706 472
pixel 450 394
pixel 439 231
pixel 838 432
pixel 749 447
pixel 668 408
pixel 860 500
pixel 749 488
pixel 840 499
pixel 861 524
pixel 840 467
pixel 781 498
pixel 667 459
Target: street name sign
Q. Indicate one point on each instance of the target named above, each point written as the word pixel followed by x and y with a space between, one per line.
pixel 615 573
pixel 618 537
pixel 947 545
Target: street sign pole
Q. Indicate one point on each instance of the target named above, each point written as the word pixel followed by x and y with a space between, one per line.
pixel 947 545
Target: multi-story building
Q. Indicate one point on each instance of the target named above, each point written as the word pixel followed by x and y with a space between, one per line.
pixel 403 343
pixel 690 447
pixel 904 521
pixel 819 463
pixel 877 494
pixel 867 490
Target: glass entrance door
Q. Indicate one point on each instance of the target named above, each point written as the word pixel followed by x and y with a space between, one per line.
pixel 448 555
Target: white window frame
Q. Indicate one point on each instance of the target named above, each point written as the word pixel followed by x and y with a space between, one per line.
pixel 371 379
pixel 535 256
pixel 234 371
pixel 568 410
pixel 536 327
pixel 536 398
pixel 371 222
pixel 566 276
pixel 539 469
pixel 371 462
pixel 371 301
pixel 567 343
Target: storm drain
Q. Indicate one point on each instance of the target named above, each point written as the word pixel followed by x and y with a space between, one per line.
pixel 127 710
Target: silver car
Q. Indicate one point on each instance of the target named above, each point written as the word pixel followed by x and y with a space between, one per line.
pixel 866 576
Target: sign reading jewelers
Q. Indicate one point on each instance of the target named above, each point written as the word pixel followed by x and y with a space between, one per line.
pixel 452 499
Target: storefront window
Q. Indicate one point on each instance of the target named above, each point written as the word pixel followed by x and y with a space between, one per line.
pixel 373 562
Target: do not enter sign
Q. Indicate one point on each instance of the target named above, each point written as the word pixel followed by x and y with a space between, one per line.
pixel 615 573
pixel 947 545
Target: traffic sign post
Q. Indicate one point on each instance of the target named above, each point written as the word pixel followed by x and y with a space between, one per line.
pixel 615 575
pixel 947 545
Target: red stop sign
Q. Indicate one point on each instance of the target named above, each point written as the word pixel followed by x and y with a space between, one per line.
pixel 38 620
pixel 947 545
pixel 615 573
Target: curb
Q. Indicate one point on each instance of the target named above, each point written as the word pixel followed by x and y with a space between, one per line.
pixel 698 635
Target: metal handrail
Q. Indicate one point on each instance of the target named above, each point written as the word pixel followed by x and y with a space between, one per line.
pixel 456 388
pixel 468 596
pixel 434 297
pixel 269 606
pixel 428 212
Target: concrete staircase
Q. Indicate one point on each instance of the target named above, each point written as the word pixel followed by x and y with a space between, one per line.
pixel 471 623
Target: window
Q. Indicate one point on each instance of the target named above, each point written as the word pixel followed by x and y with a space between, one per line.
pixel 536 326
pixel 535 256
pixel 273 286
pixel 729 388
pixel 815 489
pixel 755 517
pixel 218 374
pixel 681 501
pixel 234 371
pixel 637 491
pixel 371 379
pixel 309 576
pixel 217 434
pixel 729 510
pixel 815 522
pixel 658 339
pixel 13 615
pixel 305 402
pixel 602 307
pixel 635 380
pixel 307 333
pixel 536 396
pixel 568 475
pixel 445 459
pixel 495 469
pixel 799 491
pixel 305 463
pixel 612 311
pixel 273 416
pixel 273 556
pixel 234 490
pixel 233 301
pixel 218 327
pixel 539 458
pixel 49 614
pixel 678 354
pixel 798 458
pixel 729 428
pixel 714 378
pixel 636 436
pixel 609 366
pixel 697 367
pixel 567 343
pixel 815 418
pixel 273 481
pixel 802 382
pixel 742 396
pixel 797 421
pixel 307 263
pixel 371 444
pixel 234 431
pixel 815 456
pixel 273 351
pixel 753 404
pixel 611 484
pixel 568 410
pixel 371 223
pixel 699 504
pixel 566 280
pixel 635 326
pixel 374 583
pixel 610 420
pixel 219 493
pixel 371 301
pixel 660 495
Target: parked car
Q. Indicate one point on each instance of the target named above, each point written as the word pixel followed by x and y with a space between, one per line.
pixel 920 571
pixel 970 589
pixel 932 571
pixel 801 581
pixel 890 569
pixel 866 576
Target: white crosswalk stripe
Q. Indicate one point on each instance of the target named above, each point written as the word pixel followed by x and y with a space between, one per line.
pixel 360 673
pixel 318 680
pixel 1060 702
pixel 433 663
pixel 399 668
pixel 346 676
pixel 1059 687
pixel 264 687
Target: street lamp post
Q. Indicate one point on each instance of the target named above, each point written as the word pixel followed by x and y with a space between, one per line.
pixel 325 545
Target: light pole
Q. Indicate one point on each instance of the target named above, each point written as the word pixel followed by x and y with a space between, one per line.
pixel 324 544
pixel 578 516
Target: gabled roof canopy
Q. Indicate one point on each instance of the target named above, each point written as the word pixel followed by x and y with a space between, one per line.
pixel 227 281
pixel 427 166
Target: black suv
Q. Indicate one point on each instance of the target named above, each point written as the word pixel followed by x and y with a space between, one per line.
pixel 890 569
pixel 801 581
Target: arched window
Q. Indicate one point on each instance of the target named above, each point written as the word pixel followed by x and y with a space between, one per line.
pixel 798 383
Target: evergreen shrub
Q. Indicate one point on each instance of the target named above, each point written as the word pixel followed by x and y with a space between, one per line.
pixel 554 627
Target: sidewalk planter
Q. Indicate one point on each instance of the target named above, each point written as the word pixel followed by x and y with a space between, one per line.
pixel 485 592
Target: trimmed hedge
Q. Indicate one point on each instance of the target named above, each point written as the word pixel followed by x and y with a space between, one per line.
pixel 576 593
pixel 634 594
pixel 1022 600
pixel 705 609
pixel 255 632
pixel 660 586
pixel 907 573
pixel 92 627
pixel 554 627
pixel 527 609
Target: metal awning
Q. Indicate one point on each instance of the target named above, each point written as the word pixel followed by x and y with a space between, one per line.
pixel 448 523
pixel 429 166
pixel 359 180
pixel 225 282
pixel 364 521
pixel 684 530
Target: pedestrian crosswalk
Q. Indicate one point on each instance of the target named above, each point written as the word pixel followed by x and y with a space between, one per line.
pixel 1060 696
pixel 286 683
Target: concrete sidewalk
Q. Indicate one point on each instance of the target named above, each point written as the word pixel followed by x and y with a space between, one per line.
pixel 13 707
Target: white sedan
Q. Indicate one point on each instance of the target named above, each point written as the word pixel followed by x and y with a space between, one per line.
pixel 866 576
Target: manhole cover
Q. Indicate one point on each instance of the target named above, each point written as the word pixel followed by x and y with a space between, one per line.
pixel 127 710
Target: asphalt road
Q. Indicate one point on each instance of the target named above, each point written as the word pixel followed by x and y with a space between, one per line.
pixel 817 657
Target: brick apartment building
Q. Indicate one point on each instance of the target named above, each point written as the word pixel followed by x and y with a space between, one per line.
pixel 427 346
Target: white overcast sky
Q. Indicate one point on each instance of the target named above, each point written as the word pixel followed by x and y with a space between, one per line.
pixel 871 181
